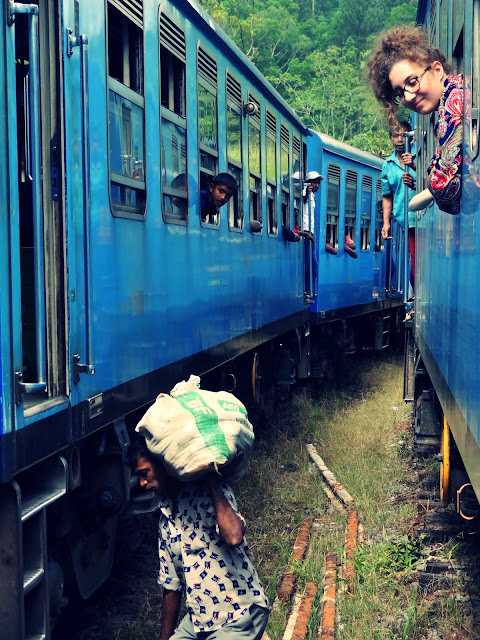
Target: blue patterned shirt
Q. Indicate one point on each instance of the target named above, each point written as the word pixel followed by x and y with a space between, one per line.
pixel 220 581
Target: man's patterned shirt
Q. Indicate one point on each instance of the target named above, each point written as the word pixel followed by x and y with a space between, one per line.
pixel 220 581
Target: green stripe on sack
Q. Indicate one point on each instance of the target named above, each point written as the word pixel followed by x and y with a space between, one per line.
pixel 230 406
pixel 206 421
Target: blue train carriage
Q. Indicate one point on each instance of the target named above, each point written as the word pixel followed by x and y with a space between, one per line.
pixel 114 287
pixel 441 378
pixel 359 292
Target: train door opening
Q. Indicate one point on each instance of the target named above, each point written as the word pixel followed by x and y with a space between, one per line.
pixel 41 368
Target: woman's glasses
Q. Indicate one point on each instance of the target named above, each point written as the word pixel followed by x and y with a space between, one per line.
pixel 412 86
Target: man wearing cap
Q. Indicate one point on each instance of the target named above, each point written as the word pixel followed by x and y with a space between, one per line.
pixel 312 183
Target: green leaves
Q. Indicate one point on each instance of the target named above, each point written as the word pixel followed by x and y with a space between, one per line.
pixel 314 53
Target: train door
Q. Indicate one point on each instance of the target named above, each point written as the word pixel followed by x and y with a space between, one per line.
pixel 37 232
pixel 35 280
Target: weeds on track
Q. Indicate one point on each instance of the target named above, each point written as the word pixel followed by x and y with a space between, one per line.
pixel 359 427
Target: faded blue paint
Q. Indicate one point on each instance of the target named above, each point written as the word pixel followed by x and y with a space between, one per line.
pixel 342 280
pixel 447 305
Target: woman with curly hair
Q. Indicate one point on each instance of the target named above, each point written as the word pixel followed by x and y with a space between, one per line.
pixel 407 70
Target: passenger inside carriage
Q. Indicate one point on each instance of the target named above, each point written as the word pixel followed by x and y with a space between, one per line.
pixel 407 70
pixel 221 189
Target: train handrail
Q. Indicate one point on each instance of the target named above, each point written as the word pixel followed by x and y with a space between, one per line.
pixel 34 154
pixel 82 42
pixel 408 147
pixel 311 249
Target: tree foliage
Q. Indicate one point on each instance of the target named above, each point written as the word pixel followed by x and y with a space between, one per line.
pixel 314 53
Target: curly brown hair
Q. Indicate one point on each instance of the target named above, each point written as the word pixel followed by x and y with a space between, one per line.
pixel 396 44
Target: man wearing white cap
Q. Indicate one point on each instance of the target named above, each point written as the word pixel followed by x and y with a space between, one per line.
pixel 312 183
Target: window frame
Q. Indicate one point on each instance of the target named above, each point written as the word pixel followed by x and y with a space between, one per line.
pixel 366 231
pixel 126 93
pixel 379 216
pixel 233 102
pixel 333 181
pixel 351 188
pixel 254 122
pixel 271 190
pixel 285 186
pixel 173 47
pixel 209 83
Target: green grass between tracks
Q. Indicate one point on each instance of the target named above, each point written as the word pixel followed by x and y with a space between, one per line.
pixel 358 428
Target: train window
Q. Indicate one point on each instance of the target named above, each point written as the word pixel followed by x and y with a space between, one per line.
pixel 351 203
pixel 443 28
pixel 234 150
pixel 285 173
pixel 378 217
pixel 126 111
pixel 255 176
pixel 271 144
pixel 207 126
pixel 333 204
pixel 432 26
pixel 458 33
pixel 365 223
pixel 474 71
pixel 297 185
pixel 173 139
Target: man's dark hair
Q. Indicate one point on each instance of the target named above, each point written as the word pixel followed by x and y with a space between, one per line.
pixel 227 180
pixel 396 125
pixel 138 449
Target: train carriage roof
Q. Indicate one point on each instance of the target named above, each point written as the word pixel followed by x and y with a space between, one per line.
pixel 347 151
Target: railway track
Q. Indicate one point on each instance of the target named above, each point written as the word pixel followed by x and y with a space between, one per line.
pixel 449 571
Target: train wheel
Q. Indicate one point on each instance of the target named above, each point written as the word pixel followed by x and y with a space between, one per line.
pixel 445 463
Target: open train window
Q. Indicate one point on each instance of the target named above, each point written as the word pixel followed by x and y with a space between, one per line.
pixel 234 151
pixel 444 21
pixel 432 25
pixel 207 128
pixel 366 219
pixel 126 110
pixel 285 174
pixel 297 185
pixel 271 144
pixel 173 123
pixel 379 246
pixel 458 48
pixel 473 57
pixel 333 204
pixel 351 180
pixel 254 166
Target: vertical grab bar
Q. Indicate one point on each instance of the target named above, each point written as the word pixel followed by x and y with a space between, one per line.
pixel 35 161
pixel 311 249
pixel 408 136
pixel 82 42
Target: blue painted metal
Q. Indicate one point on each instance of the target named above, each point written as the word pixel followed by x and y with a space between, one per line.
pixel 447 306
pixel 342 281
pixel 144 293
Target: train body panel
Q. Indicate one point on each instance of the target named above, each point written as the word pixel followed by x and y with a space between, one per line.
pixel 348 203
pixel 447 310
pixel 115 284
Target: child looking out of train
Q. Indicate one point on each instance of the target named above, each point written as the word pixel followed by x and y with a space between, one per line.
pixel 407 70
pixel 221 189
